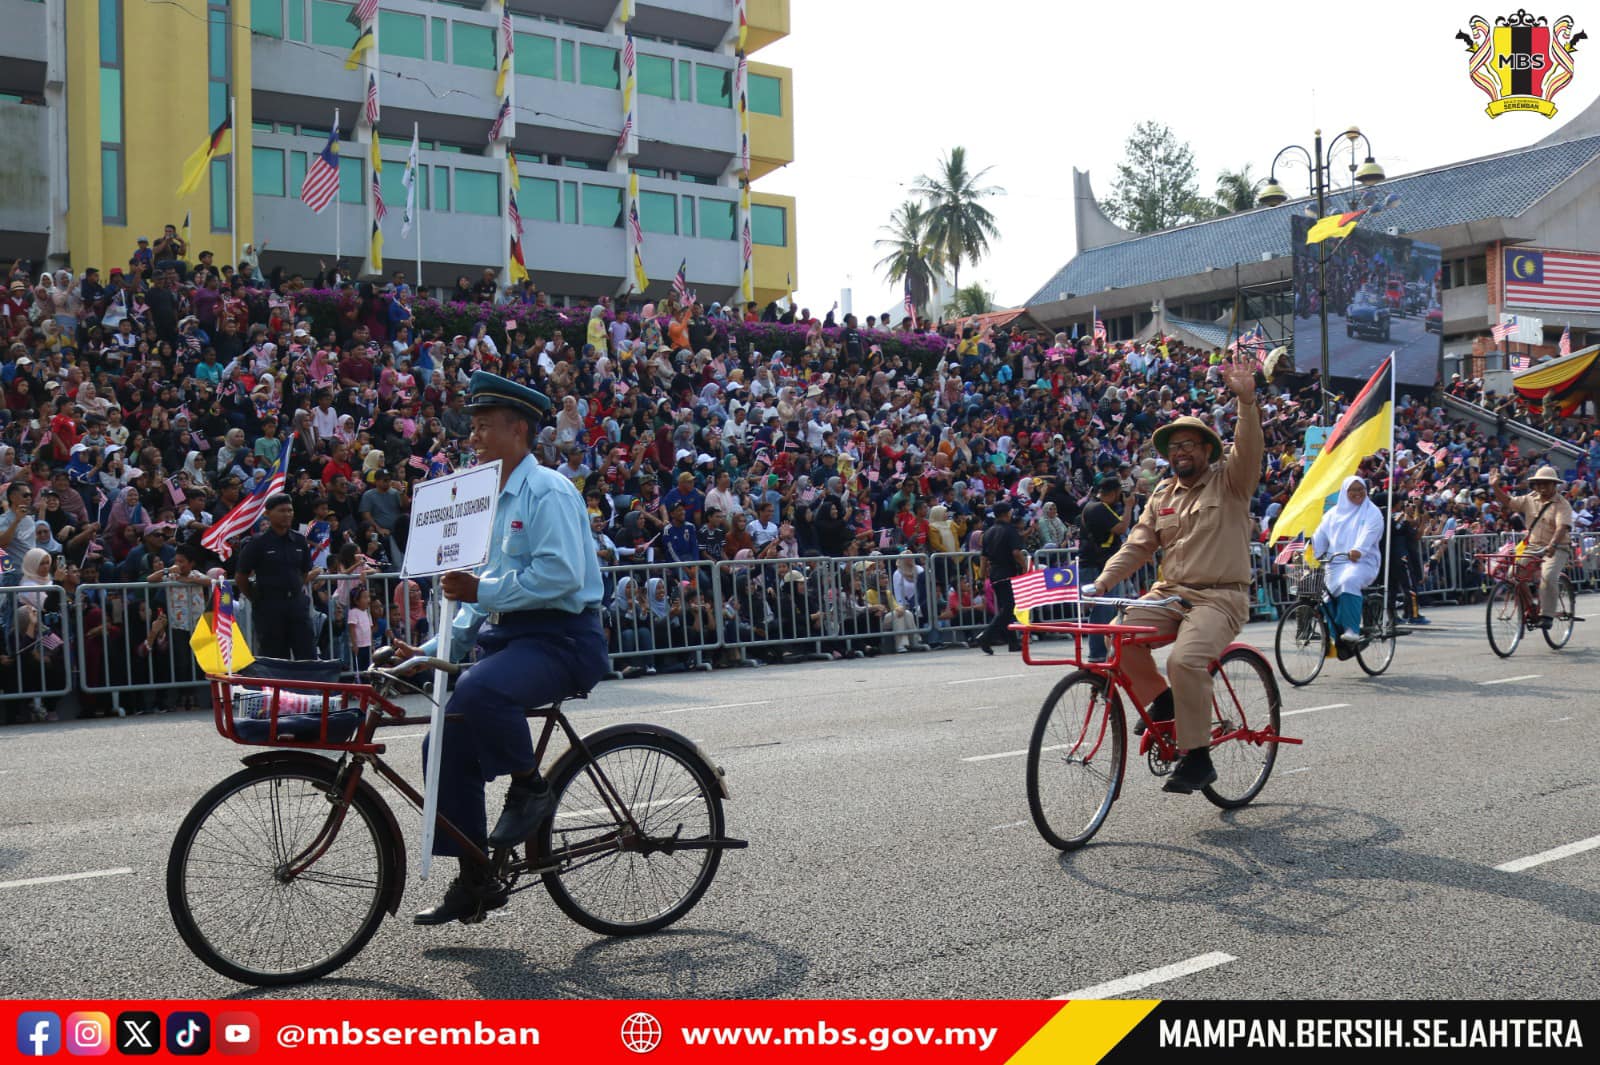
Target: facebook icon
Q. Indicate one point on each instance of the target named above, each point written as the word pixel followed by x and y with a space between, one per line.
pixel 38 1034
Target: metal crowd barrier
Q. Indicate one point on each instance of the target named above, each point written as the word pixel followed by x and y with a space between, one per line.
pixel 395 592
pixel 956 573
pixel 115 654
pixel 663 616
pixel 37 653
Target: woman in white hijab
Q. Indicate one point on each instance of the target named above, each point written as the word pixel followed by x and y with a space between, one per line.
pixel 1354 527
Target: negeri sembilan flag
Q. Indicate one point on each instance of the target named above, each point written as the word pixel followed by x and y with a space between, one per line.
pixel 1365 428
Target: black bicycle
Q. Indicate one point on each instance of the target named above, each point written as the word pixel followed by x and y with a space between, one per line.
pixel 1305 632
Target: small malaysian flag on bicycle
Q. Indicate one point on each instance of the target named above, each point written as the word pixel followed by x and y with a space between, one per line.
pixel 222 614
pixel 1041 587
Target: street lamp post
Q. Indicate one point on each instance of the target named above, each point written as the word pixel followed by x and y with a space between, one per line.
pixel 1320 165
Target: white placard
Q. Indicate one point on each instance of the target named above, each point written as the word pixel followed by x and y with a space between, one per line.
pixel 452 518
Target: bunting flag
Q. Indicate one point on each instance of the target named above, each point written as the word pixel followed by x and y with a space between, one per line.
pixel 1335 225
pixel 747 245
pixel 519 269
pixel 743 17
pixel 409 180
pixel 635 230
pixel 220 142
pixel 1365 428
pixel 508 50
pixel 363 42
pixel 628 142
pixel 500 119
pixel 377 247
pixel 379 211
pixel 372 99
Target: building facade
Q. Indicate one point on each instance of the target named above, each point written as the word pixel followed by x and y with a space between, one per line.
pixel 101 102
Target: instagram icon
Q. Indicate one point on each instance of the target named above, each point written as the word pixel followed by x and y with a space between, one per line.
pixel 88 1034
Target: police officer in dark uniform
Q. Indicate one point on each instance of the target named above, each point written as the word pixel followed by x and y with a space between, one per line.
pixel 1004 556
pixel 273 571
pixel 533 612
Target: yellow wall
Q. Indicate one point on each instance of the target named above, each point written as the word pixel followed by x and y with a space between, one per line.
pixel 769 21
pixel 164 120
pixel 773 266
pixel 772 136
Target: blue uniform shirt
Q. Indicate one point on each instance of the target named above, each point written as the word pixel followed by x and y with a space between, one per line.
pixel 541 555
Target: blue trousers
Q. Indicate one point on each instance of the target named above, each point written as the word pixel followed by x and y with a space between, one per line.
pixel 520 665
pixel 1347 613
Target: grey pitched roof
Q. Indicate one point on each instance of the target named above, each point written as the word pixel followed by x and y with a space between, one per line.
pixel 1210 332
pixel 1495 186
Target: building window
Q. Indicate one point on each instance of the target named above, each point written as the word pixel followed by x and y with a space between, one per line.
pixel 472 46
pixel 111 183
pixel 686 215
pixel 111 105
pixel 441 195
pixel 685 80
pixel 113 174
pixel 403 35
pixel 352 180
pixel 1478 270
pixel 717 219
pixel 477 192
pixel 221 194
pixel 267 170
pixel 766 95
pixel 536 56
pixel 658 212
pixel 330 24
pixel 539 199
pixel 217 41
pixel 266 17
pixel 297 20
pixel 394 186
pixel 111 42
pixel 569 203
pixel 769 225
pixel 441 33
pixel 602 206
pixel 714 86
pixel 569 62
pixel 600 67
pixel 297 171
pixel 655 76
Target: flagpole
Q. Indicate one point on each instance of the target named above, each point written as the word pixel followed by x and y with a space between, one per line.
pixel 1388 529
pixel 338 193
pixel 233 168
pixel 416 196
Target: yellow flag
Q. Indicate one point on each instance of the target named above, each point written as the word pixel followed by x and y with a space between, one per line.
pixel 518 268
pixel 363 42
pixel 377 160
pixel 1335 225
pixel 511 167
pixel 377 248
pixel 500 80
pixel 1365 428
pixel 203 642
pixel 220 142
pixel 638 272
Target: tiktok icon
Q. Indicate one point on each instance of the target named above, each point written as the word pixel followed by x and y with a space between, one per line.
pixel 188 1034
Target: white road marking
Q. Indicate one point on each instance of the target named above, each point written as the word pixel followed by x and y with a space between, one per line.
pixel 1550 856
pixel 1011 754
pixel 994 707
pixel 401 735
pixel 1155 976
pixel 1314 709
pixel 717 706
pixel 607 811
pixel 62 879
pixel 1302 769
pixel 980 680
pixel 1013 824
pixel 1558 720
pixel 1509 680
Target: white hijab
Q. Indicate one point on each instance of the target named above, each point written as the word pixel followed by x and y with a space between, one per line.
pixel 1350 526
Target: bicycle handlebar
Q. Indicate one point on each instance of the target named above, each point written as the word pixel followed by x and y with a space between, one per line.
pixel 1175 603
pixel 400 670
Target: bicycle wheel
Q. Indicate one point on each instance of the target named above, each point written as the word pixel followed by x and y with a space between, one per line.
pixel 1244 695
pixel 1504 618
pixel 1378 627
pixel 1075 760
pixel 1560 630
pixel 1302 643
pixel 229 899
pixel 637 885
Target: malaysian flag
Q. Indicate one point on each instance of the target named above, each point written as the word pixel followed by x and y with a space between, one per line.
pixel 627 131
pixel 911 305
pixel 322 177
pixel 1099 327
pixel 438 465
pixel 362 13
pixel 507 50
pixel 379 211
pixel 1564 348
pixel 417 462
pixel 511 209
pixel 745 240
pixel 1502 329
pixel 500 119
pixel 1041 587
pixel 633 223
pixel 51 641
pixel 1291 551
pixel 247 512
pixel 1561 280
pixel 222 622
pixel 680 282
pixel 372 99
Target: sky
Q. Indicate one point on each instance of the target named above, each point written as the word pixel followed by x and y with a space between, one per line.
pixel 883 89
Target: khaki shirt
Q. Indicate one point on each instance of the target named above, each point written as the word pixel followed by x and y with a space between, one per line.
pixel 1203 530
pixel 1554 529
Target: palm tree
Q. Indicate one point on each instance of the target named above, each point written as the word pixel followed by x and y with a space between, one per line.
pixel 974 299
pixel 958 225
pixel 1236 191
pixel 912 258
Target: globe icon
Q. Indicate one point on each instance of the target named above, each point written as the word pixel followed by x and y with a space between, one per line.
pixel 641 1033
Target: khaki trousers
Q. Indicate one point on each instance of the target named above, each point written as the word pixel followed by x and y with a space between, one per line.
pixel 1550 571
pixel 1211 624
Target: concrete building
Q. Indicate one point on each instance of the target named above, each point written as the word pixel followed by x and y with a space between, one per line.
pixel 1545 197
pixel 101 101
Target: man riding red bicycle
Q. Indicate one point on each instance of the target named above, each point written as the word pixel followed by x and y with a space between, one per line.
pixel 1199 518
pixel 1548 532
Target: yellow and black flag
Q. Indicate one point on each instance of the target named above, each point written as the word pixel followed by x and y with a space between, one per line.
pixel 377 247
pixel 1367 427
pixel 1335 225
pixel 363 42
pixel 194 168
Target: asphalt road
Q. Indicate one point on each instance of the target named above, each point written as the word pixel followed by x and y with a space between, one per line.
pixel 884 864
pixel 1416 350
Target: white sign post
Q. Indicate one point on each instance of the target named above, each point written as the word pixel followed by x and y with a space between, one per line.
pixel 452 519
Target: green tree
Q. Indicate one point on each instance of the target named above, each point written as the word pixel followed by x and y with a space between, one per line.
pixel 1156 187
pixel 974 299
pixel 958 223
pixel 912 258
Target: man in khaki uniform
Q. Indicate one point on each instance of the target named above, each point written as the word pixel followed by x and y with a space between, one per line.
pixel 1200 520
pixel 1547 521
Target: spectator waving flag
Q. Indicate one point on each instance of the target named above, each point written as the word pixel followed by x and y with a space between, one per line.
pixel 244 516
pixel 1564 348
pixel 680 282
pixel 321 184
pixel 417 462
pixel 1099 326
pixel 1041 587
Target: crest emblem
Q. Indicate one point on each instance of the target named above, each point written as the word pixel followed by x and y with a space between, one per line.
pixel 1522 61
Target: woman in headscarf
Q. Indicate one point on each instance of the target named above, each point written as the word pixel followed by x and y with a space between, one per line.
pixel 9 470
pixel 1353 528
pixel 1052 530
pixel 126 511
pixel 569 423
pixel 596 333
pixel 192 466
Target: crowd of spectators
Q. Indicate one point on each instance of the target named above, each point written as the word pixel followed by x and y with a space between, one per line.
pixel 141 406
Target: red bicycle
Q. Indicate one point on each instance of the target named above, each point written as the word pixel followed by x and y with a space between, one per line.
pixel 1079 747
pixel 1513 607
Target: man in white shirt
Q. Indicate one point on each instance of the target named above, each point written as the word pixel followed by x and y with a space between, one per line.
pixel 737 429
pixel 324 419
pixel 722 498
pixel 763 530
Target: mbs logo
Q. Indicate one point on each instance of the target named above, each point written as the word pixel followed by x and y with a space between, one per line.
pixel 1521 62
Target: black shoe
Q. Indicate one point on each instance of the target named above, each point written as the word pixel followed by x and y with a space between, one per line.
pixel 1193 773
pixel 1160 709
pixel 983 646
pixel 1014 648
pixel 525 808
pixel 467 899
pixel 1546 622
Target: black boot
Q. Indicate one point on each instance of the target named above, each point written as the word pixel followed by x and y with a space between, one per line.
pixel 469 897
pixel 528 802
pixel 1160 709
pixel 1194 772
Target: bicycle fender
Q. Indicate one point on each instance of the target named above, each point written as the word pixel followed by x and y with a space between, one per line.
pixel 654 730
pixel 397 841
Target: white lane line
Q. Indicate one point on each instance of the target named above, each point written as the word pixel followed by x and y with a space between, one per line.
pixel 717 706
pixel 62 879
pixel 1292 772
pixel 1011 754
pixel 994 707
pixel 1558 720
pixel 1550 856
pixel 1013 824
pixel 401 735
pixel 605 810
pixel 1155 976
pixel 1509 680
pixel 980 680
pixel 1314 709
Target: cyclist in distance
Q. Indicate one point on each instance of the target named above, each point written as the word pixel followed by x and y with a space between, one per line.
pixel 1549 529
pixel 1199 518
pixel 1353 528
